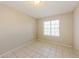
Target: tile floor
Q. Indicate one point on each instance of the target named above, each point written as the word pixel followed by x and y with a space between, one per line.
pixel 41 50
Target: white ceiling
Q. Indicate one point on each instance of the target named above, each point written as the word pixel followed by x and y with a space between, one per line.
pixel 46 8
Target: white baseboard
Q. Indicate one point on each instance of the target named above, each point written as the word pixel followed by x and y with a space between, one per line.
pixel 25 44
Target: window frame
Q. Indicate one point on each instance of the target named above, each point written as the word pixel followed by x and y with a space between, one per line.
pixel 50 31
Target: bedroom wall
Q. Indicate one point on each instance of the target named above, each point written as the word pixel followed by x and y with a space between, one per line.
pixel 76 28
pixel 16 28
pixel 65 29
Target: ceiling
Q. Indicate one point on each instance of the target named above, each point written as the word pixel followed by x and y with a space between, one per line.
pixel 44 9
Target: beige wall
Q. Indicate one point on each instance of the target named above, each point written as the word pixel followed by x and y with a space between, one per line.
pixel 76 28
pixel 65 29
pixel 15 28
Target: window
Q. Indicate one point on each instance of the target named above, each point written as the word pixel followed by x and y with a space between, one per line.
pixel 51 28
pixel 54 27
pixel 47 28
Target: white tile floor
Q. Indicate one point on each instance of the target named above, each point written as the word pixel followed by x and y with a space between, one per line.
pixel 41 50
